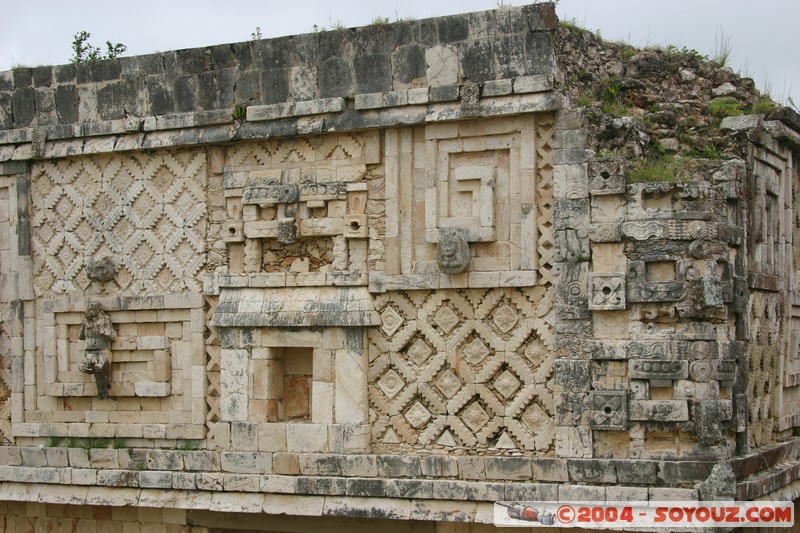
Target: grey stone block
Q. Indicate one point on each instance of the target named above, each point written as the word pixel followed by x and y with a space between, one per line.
pixel 241 483
pixel 184 481
pixel 508 468
pixel 672 494
pixel 471 467
pixel 164 460
pixel 335 78
pixel 209 481
pixel 155 480
pixel 23 77
pixel 324 486
pixel 359 466
pixel 392 466
pixel 409 488
pixel 56 457
pixel 23 107
pixel 684 472
pixel 438 466
pixel 118 478
pixel 581 493
pixel 591 471
pixel 373 73
pixel 626 494
pixel 497 88
pixel 374 488
pixel 312 464
pixel 444 93
pixel 200 461
pixel 78 458
pixel 467 490
pixel 246 462
pixel 409 63
pixel 33 456
pixel 369 101
pixel 635 471
pixel 477 60
pixel 544 469
pixel 278 484
pixel 531 492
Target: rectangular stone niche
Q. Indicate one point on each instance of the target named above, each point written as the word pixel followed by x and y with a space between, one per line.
pixel 158 363
pixel 309 384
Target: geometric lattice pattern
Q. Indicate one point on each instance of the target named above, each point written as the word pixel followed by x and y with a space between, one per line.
pixel 545 201
pixel 764 352
pixel 146 211
pixel 471 368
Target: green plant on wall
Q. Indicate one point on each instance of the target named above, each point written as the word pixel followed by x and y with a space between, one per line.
pixel 239 112
pixel 724 107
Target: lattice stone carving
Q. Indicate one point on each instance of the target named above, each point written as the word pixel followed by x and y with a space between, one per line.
pixel 764 354
pixel 463 368
pixel 147 211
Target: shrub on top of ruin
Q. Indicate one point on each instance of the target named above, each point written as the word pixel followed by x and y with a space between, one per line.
pixel 82 51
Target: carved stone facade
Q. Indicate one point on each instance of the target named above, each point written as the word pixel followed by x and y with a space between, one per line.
pixel 402 285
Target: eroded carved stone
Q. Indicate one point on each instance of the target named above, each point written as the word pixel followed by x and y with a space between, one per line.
pixel 452 253
pixel 606 291
pixel 102 268
pixel 708 422
pixel 659 410
pixel 98 332
pixel 607 176
pixel 470 93
pixel 287 230
pixel 38 138
pixel 609 410
pixel 658 370
pixel 720 484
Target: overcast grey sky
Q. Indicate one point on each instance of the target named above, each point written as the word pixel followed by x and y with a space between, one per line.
pixel 762 33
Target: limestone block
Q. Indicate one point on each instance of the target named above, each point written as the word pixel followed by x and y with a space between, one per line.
pixel 581 493
pixel 350 387
pixel 272 437
pixel 241 483
pixel 442 66
pixel 307 437
pixel 233 384
pixel 532 84
pixel 246 462
pixel 322 402
pixel 278 484
pixel 672 494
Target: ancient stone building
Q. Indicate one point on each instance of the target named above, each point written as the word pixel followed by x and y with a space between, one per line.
pixel 387 276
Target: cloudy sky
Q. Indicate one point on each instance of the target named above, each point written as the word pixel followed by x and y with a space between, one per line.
pixel 762 33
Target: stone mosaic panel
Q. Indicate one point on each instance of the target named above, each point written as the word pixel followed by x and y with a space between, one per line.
pixel 472 368
pixel 145 210
pixel 298 206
